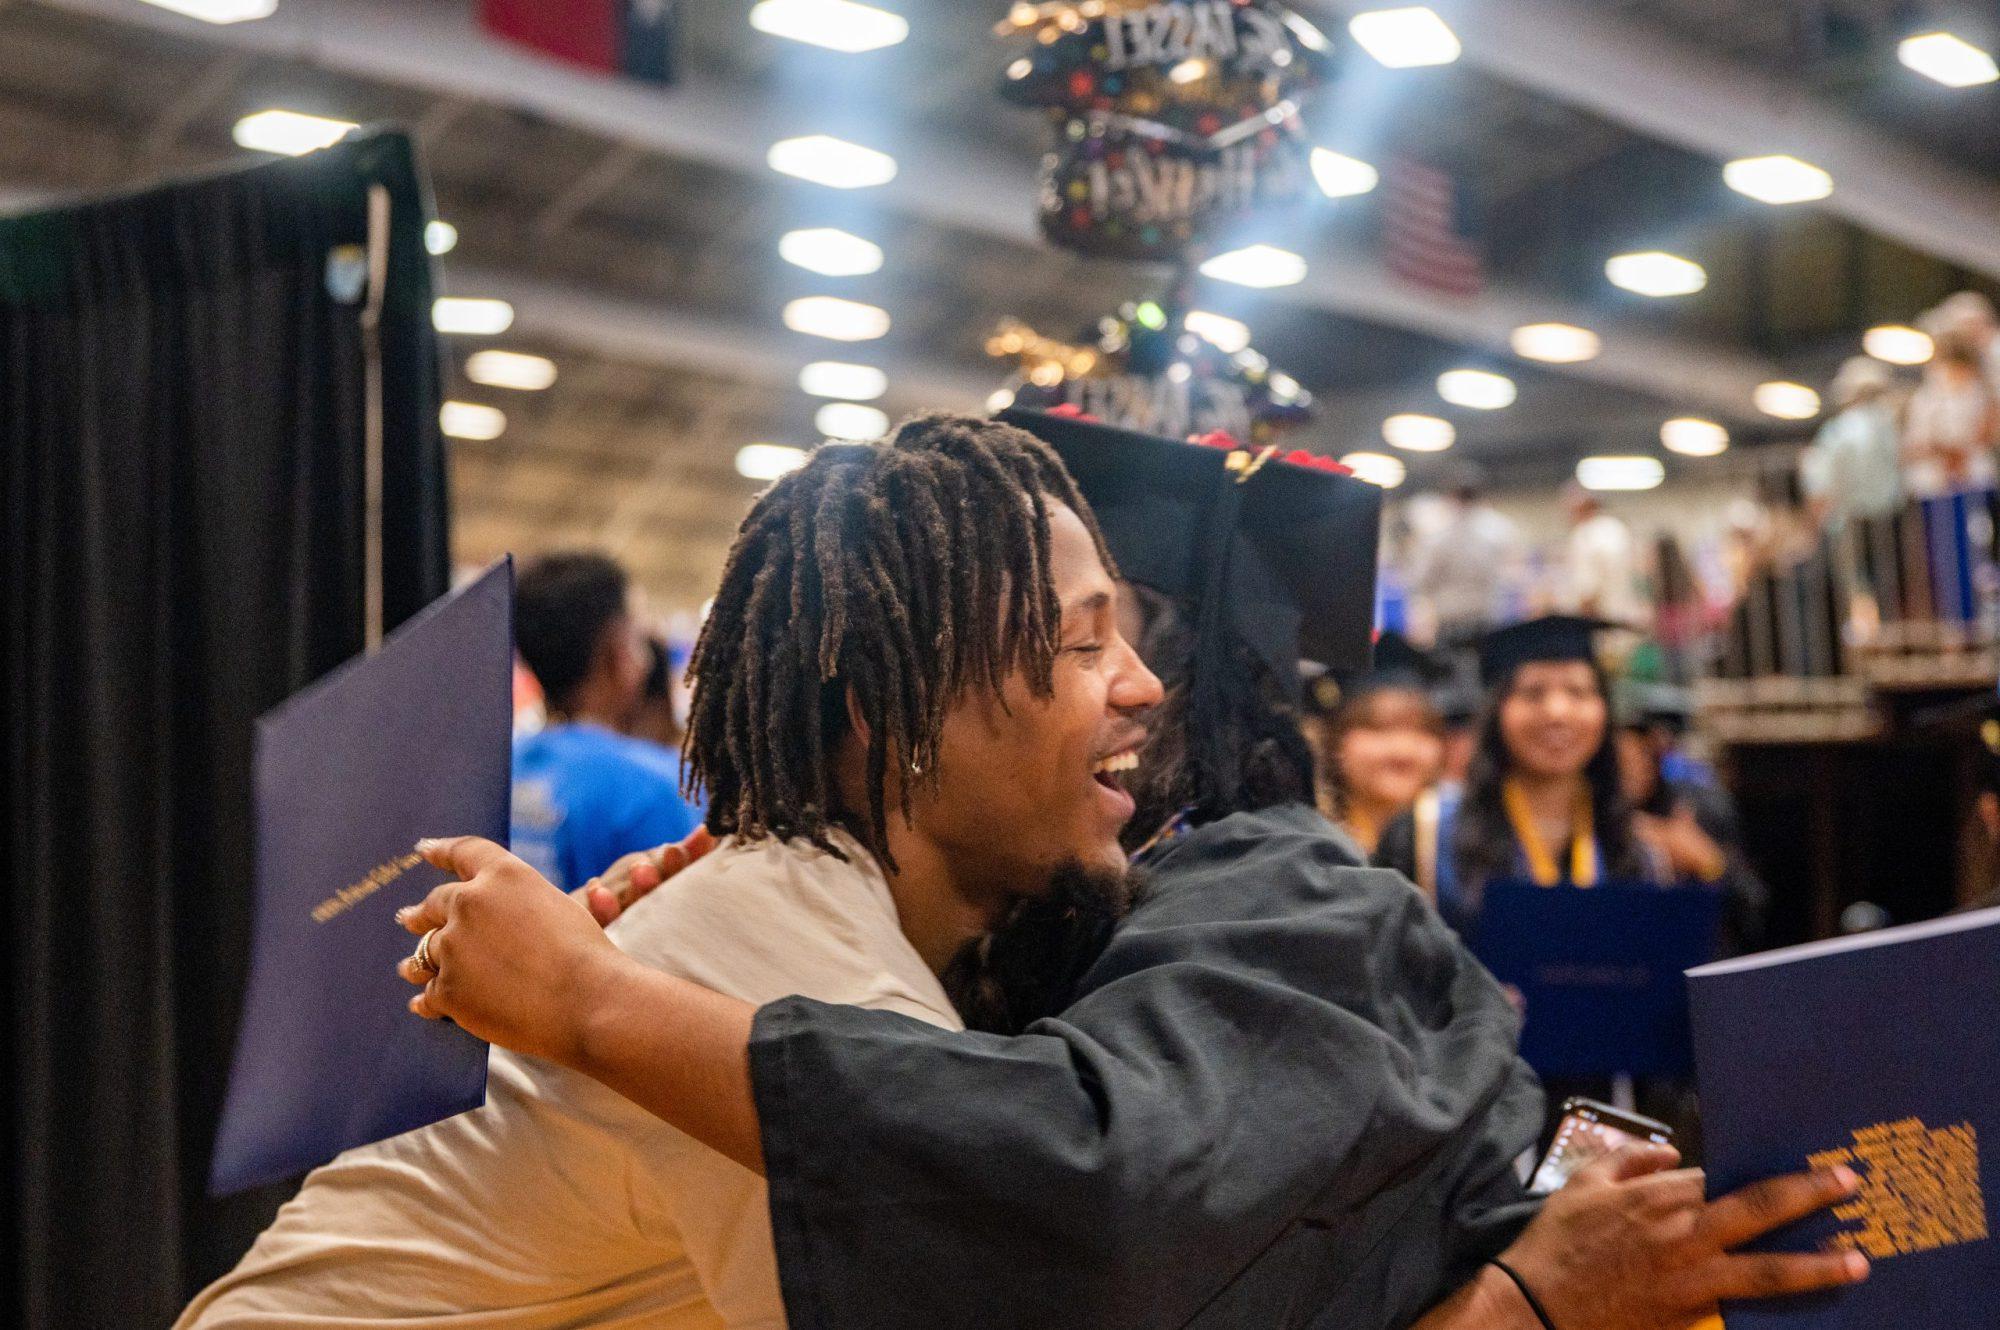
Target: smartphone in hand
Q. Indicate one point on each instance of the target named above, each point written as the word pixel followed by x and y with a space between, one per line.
pixel 1590 1130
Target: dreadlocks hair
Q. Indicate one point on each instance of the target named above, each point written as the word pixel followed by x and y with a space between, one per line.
pixel 904 573
pixel 1266 760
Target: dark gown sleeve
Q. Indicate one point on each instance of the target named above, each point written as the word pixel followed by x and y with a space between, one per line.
pixel 1285 1094
pixel 1398 847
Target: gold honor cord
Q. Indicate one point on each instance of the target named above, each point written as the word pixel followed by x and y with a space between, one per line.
pixel 1583 863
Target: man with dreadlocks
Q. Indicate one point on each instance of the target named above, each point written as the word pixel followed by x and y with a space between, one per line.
pixel 1279 1093
pixel 906 699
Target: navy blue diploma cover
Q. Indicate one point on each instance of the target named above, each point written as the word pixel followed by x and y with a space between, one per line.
pixel 415 740
pixel 1880 1052
pixel 1600 969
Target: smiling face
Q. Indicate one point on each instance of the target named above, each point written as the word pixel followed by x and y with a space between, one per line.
pixel 1025 783
pixel 1390 752
pixel 1552 718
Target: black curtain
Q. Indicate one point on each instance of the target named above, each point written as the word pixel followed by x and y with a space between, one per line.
pixel 181 546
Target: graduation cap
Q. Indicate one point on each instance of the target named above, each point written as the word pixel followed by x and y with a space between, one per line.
pixel 1458 702
pixel 1553 637
pixel 1398 664
pixel 1983 708
pixel 1278 555
pixel 1643 703
pixel 1282 555
pixel 1401 663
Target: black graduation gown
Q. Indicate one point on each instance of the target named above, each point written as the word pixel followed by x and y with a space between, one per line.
pixel 1285 1095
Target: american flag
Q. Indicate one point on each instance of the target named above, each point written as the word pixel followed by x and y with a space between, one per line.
pixel 630 37
pixel 1420 236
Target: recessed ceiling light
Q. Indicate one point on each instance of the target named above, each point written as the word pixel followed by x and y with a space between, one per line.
pixel 1694 437
pixel 1405 38
pixel 1340 176
pixel 1478 389
pixel 219 11
pixel 474 318
pixel 1224 333
pixel 854 383
pixel 768 461
pixel 1620 473
pixel 1786 401
pixel 1554 343
pixel 1777 179
pixel 836 163
pixel 1654 272
pixel 1188 71
pixel 1950 60
pixel 1419 434
pixel 1302 28
pixel 830 252
pixel 511 369
pixel 440 237
pixel 1257 265
pixel 1377 468
pixel 837 319
pixel 469 420
pixel 289 133
pixel 838 25
pixel 1897 344
pixel 851 420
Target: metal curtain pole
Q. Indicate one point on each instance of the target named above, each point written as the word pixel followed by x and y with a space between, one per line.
pixel 371 428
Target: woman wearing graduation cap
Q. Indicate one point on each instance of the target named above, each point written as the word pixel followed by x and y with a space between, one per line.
pixel 1278 1093
pixel 1379 738
pixel 1542 801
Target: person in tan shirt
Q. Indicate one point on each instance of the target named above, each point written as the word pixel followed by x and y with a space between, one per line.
pixel 960 769
pixel 560 1202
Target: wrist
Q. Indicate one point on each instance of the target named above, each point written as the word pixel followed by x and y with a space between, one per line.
pixel 1498 1304
pixel 596 998
pixel 1524 1290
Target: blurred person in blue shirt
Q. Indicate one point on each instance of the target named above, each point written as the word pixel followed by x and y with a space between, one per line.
pixel 585 790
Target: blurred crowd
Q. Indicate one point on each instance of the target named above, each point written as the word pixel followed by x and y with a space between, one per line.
pixel 1892 498
pixel 1888 441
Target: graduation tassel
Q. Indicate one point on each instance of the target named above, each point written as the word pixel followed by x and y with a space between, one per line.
pixel 1217 761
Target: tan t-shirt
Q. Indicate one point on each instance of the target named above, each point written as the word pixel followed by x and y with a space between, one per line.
pixel 560 1203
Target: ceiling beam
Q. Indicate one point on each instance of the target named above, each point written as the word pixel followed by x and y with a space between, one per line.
pixel 1636 77
pixel 648 333
pixel 634 331
pixel 644 332
pixel 949 182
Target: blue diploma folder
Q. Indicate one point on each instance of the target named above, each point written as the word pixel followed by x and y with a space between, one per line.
pixel 1880 1052
pixel 1601 971
pixel 412 741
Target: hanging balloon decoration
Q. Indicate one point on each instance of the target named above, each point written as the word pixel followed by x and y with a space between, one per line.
pixel 1171 119
pixel 1142 369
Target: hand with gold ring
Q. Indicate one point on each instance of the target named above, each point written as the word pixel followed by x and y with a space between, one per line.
pixel 504 953
pixel 421 961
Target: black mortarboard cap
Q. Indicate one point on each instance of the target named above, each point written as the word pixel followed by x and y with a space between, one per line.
pixel 1983 711
pixel 1551 637
pixel 1398 663
pixel 1647 702
pixel 1458 702
pixel 1290 552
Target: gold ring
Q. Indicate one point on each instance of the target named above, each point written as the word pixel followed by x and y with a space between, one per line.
pixel 423 953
